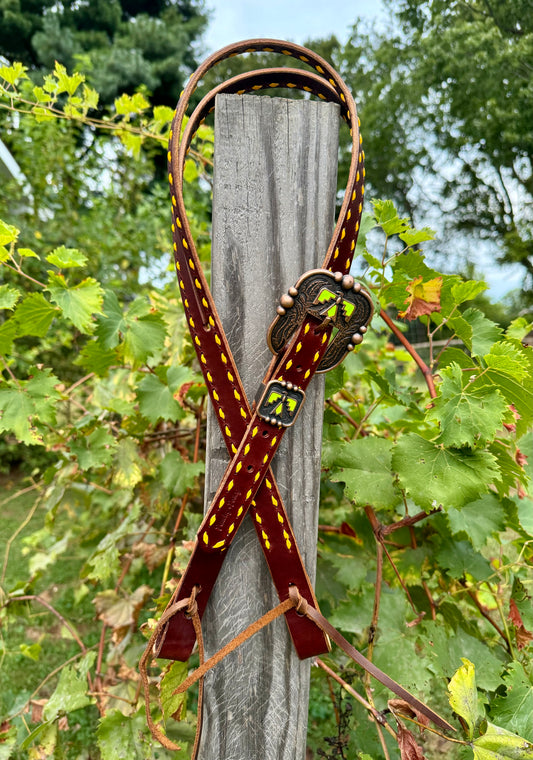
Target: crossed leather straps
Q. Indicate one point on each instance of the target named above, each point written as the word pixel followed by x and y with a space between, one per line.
pixel 301 340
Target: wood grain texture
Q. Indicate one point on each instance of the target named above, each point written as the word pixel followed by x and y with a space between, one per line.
pixel 273 215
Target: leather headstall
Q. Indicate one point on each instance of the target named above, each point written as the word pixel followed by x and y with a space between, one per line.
pixel 322 317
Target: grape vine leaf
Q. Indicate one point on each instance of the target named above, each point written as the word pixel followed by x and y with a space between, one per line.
pixel 95 358
pixel 498 744
pixel 127 464
pixel 364 465
pixel 476 331
pixel 65 258
pixel 477 520
pixel 435 476
pixel 463 695
pixel 174 704
pixel 466 417
pixel 140 332
pixel 95 449
pixel 156 400
pixel 8 296
pixel 77 302
pixel 177 475
pixel 514 709
pixel 34 315
pixel 27 403
pixel 70 694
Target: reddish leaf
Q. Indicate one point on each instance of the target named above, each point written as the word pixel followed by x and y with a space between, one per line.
pixel 424 298
pixel 404 708
pixel 409 749
pixel 523 636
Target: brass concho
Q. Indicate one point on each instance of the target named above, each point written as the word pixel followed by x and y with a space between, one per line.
pixel 280 403
pixel 334 299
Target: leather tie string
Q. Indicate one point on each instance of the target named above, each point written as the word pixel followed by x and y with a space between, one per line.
pixel 301 340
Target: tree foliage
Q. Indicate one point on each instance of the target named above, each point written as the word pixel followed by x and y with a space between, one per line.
pixel 426 527
pixel 446 102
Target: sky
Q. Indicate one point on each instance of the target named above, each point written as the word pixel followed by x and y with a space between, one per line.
pixel 294 20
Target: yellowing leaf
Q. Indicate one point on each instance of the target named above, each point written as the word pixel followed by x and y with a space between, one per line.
pixel 424 298
pixel 499 744
pixel 463 695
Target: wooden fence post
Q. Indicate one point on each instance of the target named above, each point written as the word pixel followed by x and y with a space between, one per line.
pixel 273 213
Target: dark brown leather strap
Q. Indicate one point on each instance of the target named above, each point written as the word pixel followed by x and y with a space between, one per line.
pixel 252 442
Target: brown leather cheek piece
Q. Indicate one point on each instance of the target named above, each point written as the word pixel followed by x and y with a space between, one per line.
pixel 250 466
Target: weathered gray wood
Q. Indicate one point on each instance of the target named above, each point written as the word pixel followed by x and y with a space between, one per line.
pixel 273 213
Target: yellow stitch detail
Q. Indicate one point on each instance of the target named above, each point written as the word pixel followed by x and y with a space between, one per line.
pixel 336 253
pixel 186 303
pixel 230 377
pixel 230 485
pixel 289 364
pixel 288 543
pixel 274 84
pixel 219 544
pixel 291 85
pixel 248 494
pixel 241 92
pixel 210 377
pixel 211 320
pixel 169 156
pixel 268 484
pixel 233 448
pixel 360 139
pixel 204 302
pixel 227 431
pixel 174 246
pixel 239 511
pixel 348 264
pixel 275 502
pixel 172 228
pixel 348 115
pixel 343 98
pixel 182 286
pixel 203 359
pixel 298 347
pixel 353 195
pixel 319 69
pixel 268 50
pixel 217 339
pixel 343 233
pixel 357 177
pixel 221 503
pixel 357 226
pixel 224 358
pixel 215 395
pixel 265 459
pixel 360 207
pixel 286 52
pixel 256 87
pixel 307 89
pixel 212 520
pixel 353 241
pixel 246 449
pixel 267 544
pixel 206 538
pixel 170 178
pixel 238 468
pixel 191 264
pixel 197 340
pixel 273 441
pixel 280 518
pixel 191 322
pixel 255 431
pixel 305 59
pixel 221 414
pixel 285 534
pixel 364 172
pixel 231 528
pixel 197 283
pixel 363 190
pixel 258 518
pixel 243 412
pixel 307 328
pixel 348 215
pixel 236 394
pixel 185 245
pixel 178 222
pixel 265 537
pixel 307 374
pixel 174 201
pixel 360 158
pixel 257 476
pixel 171 131
pixel 324 337
pixel 316 357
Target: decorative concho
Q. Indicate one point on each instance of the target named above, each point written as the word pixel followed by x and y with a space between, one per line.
pixel 280 403
pixel 334 299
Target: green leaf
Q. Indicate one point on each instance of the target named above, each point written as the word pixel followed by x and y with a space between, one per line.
pixel 513 710
pixel 27 253
pixel 365 465
pixel 435 476
pixel 476 331
pixel 118 736
pixel 516 392
pixel 95 358
pixel 459 560
pixel 8 296
pixel 156 400
pixel 8 233
pixel 174 704
pixel 509 359
pixel 519 328
pixel 478 520
pixel 13 73
pixel 127 464
pixel 78 302
pixel 70 694
pixel 467 290
pixel 499 744
pixel 463 695
pixel 466 417
pixel 34 315
pixel 141 331
pixel 65 82
pixel 127 104
pixel 8 333
pixel 94 450
pixel 177 475
pixel 24 405
pixel 387 218
pixel 65 258
pixel 190 170
pixel 415 237
pixel 32 651
pixel 104 562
